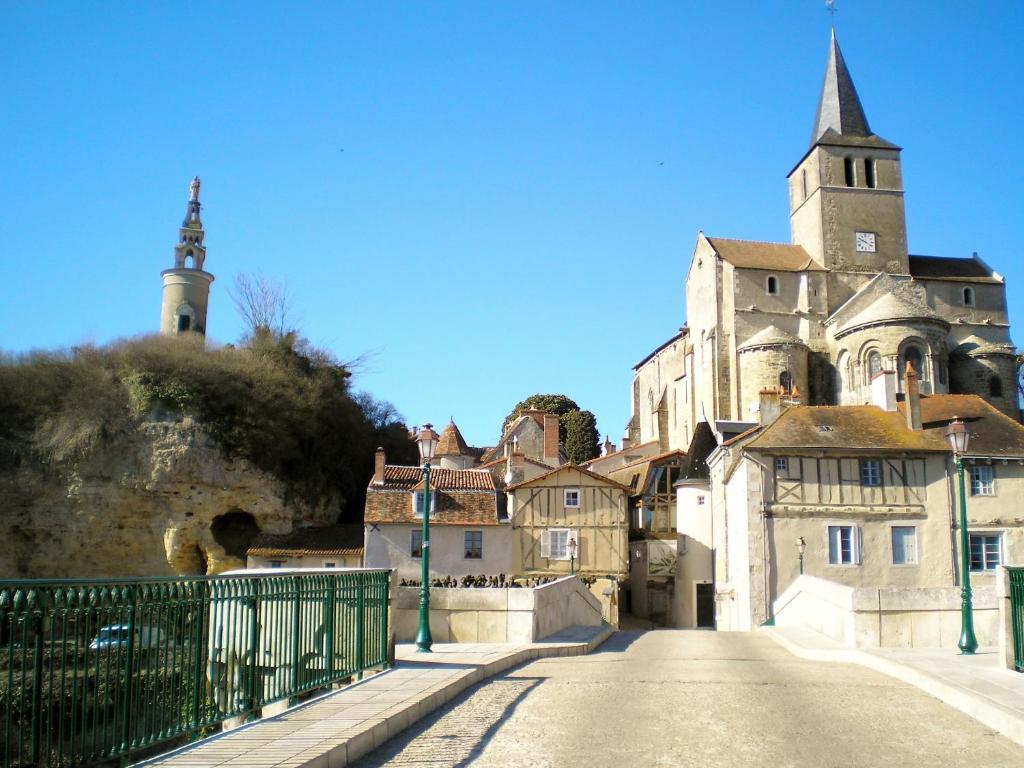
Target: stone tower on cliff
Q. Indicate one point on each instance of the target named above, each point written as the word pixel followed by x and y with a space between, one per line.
pixel 187 285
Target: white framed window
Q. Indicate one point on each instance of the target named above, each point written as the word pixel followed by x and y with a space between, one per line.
pixel 571 497
pixel 416 543
pixel 986 551
pixel 843 545
pixel 904 545
pixel 554 543
pixel 982 480
pixel 277 564
pixel 870 472
pixel 417 503
pixel 781 466
pixel 330 565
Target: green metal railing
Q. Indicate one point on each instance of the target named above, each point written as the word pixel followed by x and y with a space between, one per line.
pixel 1017 615
pixel 97 670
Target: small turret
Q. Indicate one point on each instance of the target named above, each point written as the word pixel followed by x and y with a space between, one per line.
pixel 187 286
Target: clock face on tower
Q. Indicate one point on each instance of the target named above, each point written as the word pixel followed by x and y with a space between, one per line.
pixel 865 242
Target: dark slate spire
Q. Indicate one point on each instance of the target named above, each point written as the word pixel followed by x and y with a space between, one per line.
pixel 839 107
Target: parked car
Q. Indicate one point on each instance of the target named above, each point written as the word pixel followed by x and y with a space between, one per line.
pixel 116 636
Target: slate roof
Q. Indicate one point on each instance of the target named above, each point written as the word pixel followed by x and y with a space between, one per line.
pixel 777 257
pixel 891 307
pixel 939 267
pixel 451 442
pixel 770 336
pixel 864 428
pixel 975 346
pixel 993 433
pixel 310 540
pixel 462 496
pixel 845 427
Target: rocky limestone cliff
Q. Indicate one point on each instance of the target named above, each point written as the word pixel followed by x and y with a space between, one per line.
pixel 162 501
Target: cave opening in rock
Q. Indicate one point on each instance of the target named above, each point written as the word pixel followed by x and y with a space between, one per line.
pixel 235 531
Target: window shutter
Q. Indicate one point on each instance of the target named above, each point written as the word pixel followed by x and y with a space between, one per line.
pixel 910 546
pixel 545 543
pixel 858 544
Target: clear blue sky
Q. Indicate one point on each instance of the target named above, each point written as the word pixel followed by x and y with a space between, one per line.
pixel 520 186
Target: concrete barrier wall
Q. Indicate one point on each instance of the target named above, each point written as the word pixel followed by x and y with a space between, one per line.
pixel 886 617
pixel 486 615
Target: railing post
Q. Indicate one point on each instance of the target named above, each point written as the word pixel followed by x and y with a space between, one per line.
pixel 329 625
pixel 384 580
pixel 360 609
pixel 200 645
pixel 254 640
pixel 36 736
pixel 128 596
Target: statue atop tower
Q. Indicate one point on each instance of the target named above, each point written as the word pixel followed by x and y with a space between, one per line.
pixel 186 285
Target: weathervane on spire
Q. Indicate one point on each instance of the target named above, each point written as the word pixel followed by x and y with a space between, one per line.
pixel 193 190
pixel 830 6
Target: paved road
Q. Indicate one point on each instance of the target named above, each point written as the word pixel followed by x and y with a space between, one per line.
pixel 676 698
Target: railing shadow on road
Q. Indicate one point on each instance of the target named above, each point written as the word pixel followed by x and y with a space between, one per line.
pixel 460 742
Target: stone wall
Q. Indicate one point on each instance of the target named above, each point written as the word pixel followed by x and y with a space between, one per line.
pixel 485 615
pixel 148 504
pixel 887 617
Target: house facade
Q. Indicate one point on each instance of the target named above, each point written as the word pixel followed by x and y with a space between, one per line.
pixel 468 533
pixel 862 496
pixel 565 505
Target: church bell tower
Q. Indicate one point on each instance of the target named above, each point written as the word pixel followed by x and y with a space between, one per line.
pixel 187 285
pixel 846 193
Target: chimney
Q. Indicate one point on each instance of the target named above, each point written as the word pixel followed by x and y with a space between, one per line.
pixel 769 406
pixel 378 467
pixel 551 439
pixel 626 443
pixel 913 397
pixel 883 390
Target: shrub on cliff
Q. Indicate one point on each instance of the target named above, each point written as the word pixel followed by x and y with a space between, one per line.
pixel 286 407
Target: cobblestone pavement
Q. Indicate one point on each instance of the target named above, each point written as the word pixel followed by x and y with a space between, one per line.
pixel 674 698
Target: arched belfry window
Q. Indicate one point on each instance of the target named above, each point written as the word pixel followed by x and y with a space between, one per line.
pixel 848 172
pixel 995 387
pixel 189 259
pixel 786 381
pixel 772 285
pixel 869 172
pixel 968 297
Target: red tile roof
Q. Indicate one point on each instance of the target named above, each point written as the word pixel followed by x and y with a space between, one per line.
pixel 310 540
pixel 463 496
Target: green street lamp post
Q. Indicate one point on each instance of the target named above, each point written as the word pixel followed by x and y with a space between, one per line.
pixel 427 442
pixel 572 557
pixel 801 545
pixel 958 434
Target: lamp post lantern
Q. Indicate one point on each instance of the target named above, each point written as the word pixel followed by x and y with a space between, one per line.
pixel 572 556
pixel 427 442
pixel 801 545
pixel 959 434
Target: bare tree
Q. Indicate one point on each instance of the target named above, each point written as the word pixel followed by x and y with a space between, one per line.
pixel 263 303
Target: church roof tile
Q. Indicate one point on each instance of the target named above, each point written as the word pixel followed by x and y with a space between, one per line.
pixel 751 254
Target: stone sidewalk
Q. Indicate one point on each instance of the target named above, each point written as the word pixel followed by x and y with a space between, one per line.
pixel 339 727
pixel 978 685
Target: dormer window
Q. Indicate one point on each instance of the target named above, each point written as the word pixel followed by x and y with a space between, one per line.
pixel 772 285
pixel 417 504
pixel 968 297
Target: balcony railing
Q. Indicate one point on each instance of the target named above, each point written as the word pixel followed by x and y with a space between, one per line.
pixel 94 670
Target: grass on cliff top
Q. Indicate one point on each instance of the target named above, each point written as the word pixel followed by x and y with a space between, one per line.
pixel 285 407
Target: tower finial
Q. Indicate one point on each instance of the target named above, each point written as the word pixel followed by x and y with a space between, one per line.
pixel 830 6
pixel 193 190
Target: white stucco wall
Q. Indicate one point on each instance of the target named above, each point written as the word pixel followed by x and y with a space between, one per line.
pixel 387 546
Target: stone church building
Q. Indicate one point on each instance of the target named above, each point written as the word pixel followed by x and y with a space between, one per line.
pixel 820 316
